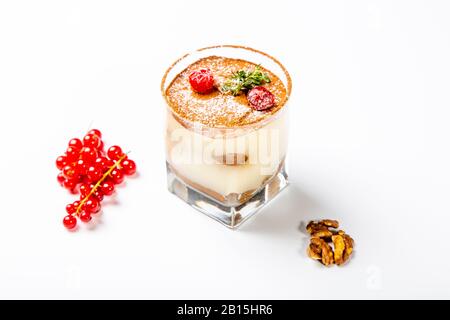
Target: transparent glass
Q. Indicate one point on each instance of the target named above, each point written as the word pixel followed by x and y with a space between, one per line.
pixel 227 173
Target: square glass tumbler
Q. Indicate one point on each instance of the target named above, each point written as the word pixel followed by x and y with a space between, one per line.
pixel 227 173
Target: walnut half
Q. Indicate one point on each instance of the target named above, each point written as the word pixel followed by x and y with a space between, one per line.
pixel 314 251
pixel 339 248
pixel 326 251
pixel 323 232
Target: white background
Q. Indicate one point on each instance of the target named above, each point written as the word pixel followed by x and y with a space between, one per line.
pixel 369 147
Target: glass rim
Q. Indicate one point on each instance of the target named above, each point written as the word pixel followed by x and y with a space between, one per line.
pixel 251 125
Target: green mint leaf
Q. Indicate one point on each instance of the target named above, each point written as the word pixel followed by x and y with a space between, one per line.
pixel 244 80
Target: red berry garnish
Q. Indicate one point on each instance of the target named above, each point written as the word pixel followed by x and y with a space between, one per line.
pixel 85 189
pixel 69 172
pixel 87 169
pixel 61 178
pixel 107 188
pixel 88 154
pixel 109 164
pixel 72 154
pixel 71 209
pixel 61 162
pixel 202 80
pixel 91 141
pixel 128 167
pixel 69 222
pixel 99 195
pixel 85 216
pixel 101 148
pixel 95 132
pixel 76 204
pixel 102 163
pixel 115 153
pixel 94 174
pixel 92 205
pixel 80 167
pixel 76 143
pixel 260 98
pixel 70 185
pixel 117 176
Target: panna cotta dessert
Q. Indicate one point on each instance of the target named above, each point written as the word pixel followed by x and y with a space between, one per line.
pixel 226 130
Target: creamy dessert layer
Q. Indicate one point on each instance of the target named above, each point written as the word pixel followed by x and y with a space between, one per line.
pixel 228 164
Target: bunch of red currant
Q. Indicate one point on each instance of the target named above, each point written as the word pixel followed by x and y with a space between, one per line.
pixel 93 173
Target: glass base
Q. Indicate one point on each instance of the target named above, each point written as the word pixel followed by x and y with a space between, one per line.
pixel 230 216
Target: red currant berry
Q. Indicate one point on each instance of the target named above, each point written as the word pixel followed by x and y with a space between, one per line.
pixel 69 222
pixel 128 167
pixel 92 205
pixel 70 185
pixel 85 216
pixel 61 162
pixel 94 174
pixel 260 98
pixel 61 178
pixel 101 162
pixel 76 204
pixel 202 80
pixel 109 164
pixel 69 172
pixel 70 208
pixel 88 154
pixel 95 132
pixel 76 143
pixel 101 147
pixel 115 153
pixel 107 188
pixel 91 141
pixel 81 167
pixel 98 195
pixel 85 179
pixel 117 176
pixel 85 189
pixel 72 154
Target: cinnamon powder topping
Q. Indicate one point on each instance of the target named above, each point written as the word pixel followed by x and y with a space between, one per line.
pixel 217 109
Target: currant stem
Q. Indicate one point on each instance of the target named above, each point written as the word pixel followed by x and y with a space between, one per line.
pixel 99 182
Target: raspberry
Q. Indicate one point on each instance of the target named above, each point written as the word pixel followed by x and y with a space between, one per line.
pixel 202 81
pixel 260 98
